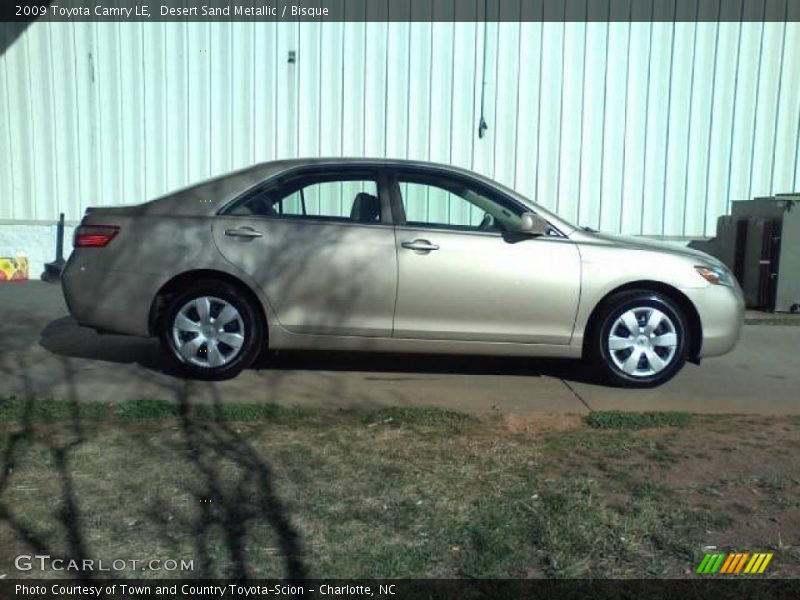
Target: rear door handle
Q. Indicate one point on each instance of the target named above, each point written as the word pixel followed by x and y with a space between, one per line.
pixel 420 246
pixel 243 232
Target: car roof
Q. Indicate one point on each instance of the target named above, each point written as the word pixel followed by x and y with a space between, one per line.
pixel 361 161
pixel 207 197
pixel 356 161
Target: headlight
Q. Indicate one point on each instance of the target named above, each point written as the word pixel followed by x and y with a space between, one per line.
pixel 715 275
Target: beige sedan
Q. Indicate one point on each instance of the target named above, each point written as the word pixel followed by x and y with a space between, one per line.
pixel 389 255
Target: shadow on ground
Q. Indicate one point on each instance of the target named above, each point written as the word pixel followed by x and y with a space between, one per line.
pixel 222 465
pixel 65 338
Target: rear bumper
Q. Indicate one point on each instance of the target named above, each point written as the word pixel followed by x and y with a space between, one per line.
pixel 721 311
pixel 114 302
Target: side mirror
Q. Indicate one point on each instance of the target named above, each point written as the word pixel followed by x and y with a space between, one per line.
pixel 533 224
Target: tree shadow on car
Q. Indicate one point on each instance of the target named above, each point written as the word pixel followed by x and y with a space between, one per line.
pixel 65 337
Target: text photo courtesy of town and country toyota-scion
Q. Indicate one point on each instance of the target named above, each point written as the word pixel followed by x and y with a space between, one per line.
pixel 400 298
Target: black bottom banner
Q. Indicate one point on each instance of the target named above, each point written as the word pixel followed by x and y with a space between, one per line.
pixel 401 589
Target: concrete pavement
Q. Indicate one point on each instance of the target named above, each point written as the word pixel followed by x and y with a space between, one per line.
pixel 44 352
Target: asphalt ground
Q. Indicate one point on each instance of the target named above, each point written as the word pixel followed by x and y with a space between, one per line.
pixel 44 352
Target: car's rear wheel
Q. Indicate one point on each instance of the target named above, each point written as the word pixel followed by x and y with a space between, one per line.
pixel 641 339
pixel 211 330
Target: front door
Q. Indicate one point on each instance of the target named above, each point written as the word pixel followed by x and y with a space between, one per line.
pixel 463 275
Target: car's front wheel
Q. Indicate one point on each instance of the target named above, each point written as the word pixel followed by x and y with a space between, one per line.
pixel 211 330
pixel 641 339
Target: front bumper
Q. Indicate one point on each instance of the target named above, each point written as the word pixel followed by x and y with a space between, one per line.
pixel 721 311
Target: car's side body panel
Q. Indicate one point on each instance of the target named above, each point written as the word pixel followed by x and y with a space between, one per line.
pixel 322 278
pixel 282 339
pixel 113 288
pixel 483 286
pixel 605 268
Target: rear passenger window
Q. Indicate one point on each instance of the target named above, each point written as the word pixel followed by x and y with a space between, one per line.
pixel 332 199
pixel 342 200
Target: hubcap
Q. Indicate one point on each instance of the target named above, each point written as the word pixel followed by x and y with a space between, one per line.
pixel 643 341
pixel 208 332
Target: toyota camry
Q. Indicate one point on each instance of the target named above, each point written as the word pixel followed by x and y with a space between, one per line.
pixel 391 255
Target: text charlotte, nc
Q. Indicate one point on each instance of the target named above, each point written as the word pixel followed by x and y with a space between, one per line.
pixel 205 591
pixel 162 10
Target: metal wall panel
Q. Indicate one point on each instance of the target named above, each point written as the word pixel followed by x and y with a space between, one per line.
pixel 643 128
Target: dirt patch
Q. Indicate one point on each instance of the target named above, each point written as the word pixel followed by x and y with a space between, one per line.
pixel 744 472
pixel 516 423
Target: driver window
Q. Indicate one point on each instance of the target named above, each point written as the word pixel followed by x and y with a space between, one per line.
pixel 450 204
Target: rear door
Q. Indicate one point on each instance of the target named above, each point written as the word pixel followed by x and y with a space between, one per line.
pixel 465 275
pixel 321 246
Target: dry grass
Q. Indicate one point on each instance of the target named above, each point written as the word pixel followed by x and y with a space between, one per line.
pixel 263 492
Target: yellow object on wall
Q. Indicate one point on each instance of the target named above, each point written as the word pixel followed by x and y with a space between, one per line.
pixel 13 269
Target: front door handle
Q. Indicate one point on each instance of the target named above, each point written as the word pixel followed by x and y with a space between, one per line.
pixel 243 232
pixel 420 246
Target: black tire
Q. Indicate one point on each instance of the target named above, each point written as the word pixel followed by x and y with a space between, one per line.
pixel 606 362
pixel 249 323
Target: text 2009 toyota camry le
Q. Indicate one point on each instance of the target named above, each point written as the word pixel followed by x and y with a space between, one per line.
pixel 385 255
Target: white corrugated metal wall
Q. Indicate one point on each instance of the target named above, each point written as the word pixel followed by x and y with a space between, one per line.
pixel 643 128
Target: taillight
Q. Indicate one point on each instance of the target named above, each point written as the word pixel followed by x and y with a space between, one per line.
pixel 94 236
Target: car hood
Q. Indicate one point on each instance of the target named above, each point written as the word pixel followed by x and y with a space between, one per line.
pixel 637 243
